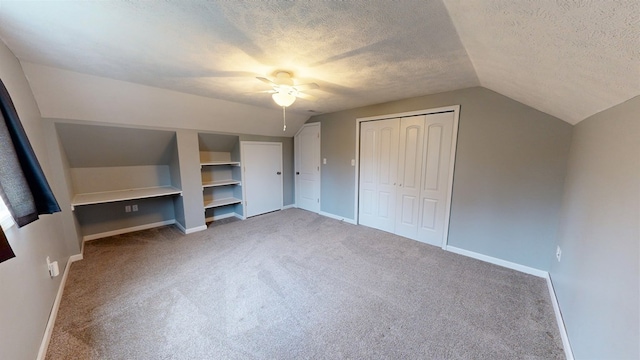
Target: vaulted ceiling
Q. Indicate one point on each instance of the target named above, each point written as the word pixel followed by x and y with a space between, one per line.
pixel 568 58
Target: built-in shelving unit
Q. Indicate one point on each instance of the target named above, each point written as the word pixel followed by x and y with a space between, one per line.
pixel 221 163
pixel 221 176
pixel 221 202
pixel 121 179
pixel 219 184
pixel 122 195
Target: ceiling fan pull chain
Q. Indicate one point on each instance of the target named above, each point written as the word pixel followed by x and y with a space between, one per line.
pixel 284 119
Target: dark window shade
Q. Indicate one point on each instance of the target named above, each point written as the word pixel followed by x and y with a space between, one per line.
pixel 23 186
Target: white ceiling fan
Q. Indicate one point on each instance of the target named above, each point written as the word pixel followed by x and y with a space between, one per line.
pixel 284 92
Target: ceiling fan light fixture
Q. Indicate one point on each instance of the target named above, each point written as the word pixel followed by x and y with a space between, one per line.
pixel 283 99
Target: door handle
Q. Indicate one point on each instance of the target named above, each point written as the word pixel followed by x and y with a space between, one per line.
pixel 278 173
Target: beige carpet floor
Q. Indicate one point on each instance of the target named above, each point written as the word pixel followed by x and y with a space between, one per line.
pixel 296 285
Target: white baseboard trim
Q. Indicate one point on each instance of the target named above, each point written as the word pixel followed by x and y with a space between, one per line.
pixel 76 257
pixel 499 262
pixel 223 216
pixel 347 220
pixel 195 229
pixel 127 230
pixel 44 345
pixel 180 227
pixel 568 353
pixel 290 206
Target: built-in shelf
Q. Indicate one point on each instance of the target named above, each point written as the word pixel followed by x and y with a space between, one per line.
pixel 221 175
pixel 221 163
pixel 221 202
pixel 122 195
pixel 220 183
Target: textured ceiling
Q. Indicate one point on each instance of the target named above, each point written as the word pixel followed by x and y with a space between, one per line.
pixel 567 58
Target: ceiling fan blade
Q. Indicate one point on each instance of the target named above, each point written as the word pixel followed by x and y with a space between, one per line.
pixel 272 91
pixel 309 86
pixel 265 80
pixel 306 96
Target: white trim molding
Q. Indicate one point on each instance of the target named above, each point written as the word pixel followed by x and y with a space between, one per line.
pixel 128 230
pixel 218 217
pixel 499 262
pixel 336 217
pixel 44 345
pixel 411 113
pixel 290 206
pixel 76 257
pixel 191 230
pixel 568 353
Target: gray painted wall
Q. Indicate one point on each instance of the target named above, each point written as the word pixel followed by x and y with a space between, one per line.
pixel 189 205
pixel 96 179
pixel 27 290
pixel 597 281
pixel 61 176
pixel 91 145
pixel 101 218
pixel 508 181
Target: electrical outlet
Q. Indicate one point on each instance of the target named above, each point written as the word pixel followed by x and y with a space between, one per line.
pixel 134 207
pixel 127 208
pixel 54 269
pixel 558 253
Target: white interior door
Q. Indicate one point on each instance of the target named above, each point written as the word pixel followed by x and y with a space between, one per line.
pixel 378 171
pixel 434 198
pixel 262 178
pixel 307 158
pixel 409 175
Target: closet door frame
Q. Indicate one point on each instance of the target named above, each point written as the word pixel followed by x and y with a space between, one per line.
pixel 456 116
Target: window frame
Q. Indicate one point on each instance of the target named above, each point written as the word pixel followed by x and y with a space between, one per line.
pixel 6 220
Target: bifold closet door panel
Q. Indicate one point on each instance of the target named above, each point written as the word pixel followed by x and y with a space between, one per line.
pixel 378 172
pixel 368 167
pixel 409 176
pixel 435 177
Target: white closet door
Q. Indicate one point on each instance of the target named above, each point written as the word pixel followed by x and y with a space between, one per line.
pixel 368 168
pixel 409 176
pixel 307 143
pixel 262 178
pixel 378 171
pixel 435 178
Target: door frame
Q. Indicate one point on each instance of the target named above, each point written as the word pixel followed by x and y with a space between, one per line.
pixel 454 143
pixel 243 164
pixel 295 163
